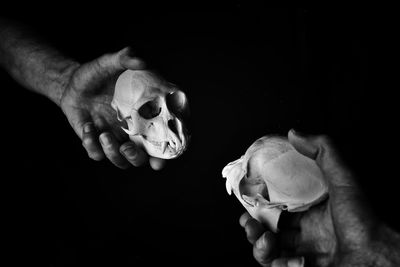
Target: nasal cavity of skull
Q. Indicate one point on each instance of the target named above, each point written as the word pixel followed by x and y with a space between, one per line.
pixel 253 188
pixel 253 184
pixel 150 109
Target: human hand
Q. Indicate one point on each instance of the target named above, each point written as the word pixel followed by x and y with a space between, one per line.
pixel 86 102
pixel 342 231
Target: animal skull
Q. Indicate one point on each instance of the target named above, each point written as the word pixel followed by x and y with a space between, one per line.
pixel 272 176
pixel 153 110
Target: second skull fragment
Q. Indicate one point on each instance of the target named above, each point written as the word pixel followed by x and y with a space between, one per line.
pixel 271 177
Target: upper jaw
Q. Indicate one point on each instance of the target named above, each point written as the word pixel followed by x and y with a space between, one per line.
pixel 174 149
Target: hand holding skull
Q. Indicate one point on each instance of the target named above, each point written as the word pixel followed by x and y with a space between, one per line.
pixel 340 231
pixel 86 102
pixel 271 177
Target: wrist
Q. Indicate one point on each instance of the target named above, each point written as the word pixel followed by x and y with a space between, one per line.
pixel 65 76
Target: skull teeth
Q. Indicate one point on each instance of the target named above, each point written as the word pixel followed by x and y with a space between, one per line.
pixel 154 143
pixel 172 144
pixel 129 132
pixel 164 146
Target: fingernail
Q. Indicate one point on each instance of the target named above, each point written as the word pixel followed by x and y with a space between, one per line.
pixel 130 152
pixel 298 133
pixel 139 63
pixel 105 140
pixel 261 243
pixel 129 51
pixel 296 262
pixel 89 127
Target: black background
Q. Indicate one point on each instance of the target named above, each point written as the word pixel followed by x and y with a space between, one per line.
pixel 248 72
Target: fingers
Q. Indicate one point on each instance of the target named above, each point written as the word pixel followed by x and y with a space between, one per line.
pixel 90 143
pixel 133 154
pixel 127 153
pixel 244 218
pixel 318 147
pixel 137 157
pixel 303 145
pixel 111 150
pixel 121 156
pixel 288 262
pixel 253 228
pixel 265 243
pixel 287 239
pixel 157 163
pixel 120 60
pixel 127 60
pixel 264 249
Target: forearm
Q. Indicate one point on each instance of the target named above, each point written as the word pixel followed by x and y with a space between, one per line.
pixel 32 63
pixel 383 250
pixel 386 247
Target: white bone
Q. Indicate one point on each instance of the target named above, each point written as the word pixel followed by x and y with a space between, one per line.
pixel 164 147
pixel 133 90
pixel 127 131
pixel 272 176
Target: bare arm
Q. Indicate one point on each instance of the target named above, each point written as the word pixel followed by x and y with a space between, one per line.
pixel 82 91
pixel 342 231
pixel 32 63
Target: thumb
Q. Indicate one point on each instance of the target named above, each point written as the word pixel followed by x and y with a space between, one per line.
pixel 321 149
pixel 351 216
pixel 107 65
pixel 118 61
pixel 129 61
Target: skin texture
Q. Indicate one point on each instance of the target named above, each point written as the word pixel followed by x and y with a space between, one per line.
pixel 82 91
pixel 342 231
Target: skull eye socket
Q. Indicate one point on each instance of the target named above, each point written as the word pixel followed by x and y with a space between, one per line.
pixel 177 103
pixel 150 109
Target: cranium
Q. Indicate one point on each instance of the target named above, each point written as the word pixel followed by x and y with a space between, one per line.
pixel 153 110
pixel 272 176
